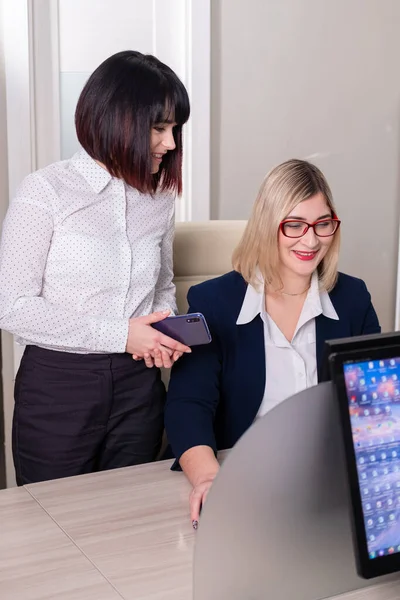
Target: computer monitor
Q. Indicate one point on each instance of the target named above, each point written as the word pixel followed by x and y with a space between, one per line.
pixel 332 347
pixel 366 376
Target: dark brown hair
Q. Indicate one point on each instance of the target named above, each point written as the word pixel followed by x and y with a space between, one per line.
pixel 122 100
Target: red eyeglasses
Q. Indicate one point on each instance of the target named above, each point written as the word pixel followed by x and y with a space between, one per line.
pixel 292 228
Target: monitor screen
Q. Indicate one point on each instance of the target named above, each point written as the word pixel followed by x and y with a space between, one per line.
pixel 373 394
pixel 367 383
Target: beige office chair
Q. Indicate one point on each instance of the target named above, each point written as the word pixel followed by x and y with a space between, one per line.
pixel 203 251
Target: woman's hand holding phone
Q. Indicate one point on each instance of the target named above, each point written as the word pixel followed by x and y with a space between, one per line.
pixel 156 348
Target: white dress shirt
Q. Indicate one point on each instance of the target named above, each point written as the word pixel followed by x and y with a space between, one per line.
pixel 290 367
pixel 81 253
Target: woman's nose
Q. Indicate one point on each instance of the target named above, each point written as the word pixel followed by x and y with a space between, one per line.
pixel 169 141
pixel 310 239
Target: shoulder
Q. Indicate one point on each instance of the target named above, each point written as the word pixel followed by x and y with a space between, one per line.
pixel 231 282
pixel 226 291
pixel 40 187
pixel 349 294
pixel 346 284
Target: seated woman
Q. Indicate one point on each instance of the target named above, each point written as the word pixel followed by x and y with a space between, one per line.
pixel 269 319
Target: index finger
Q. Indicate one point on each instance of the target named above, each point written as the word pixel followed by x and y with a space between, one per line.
pixel 165 340
pixel 196 500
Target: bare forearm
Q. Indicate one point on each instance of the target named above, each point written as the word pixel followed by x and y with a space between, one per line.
pixel 199 464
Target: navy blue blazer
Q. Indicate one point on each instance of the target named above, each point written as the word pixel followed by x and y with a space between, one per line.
pixel 214 393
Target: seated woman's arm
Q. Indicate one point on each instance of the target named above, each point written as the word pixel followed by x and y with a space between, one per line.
pixel 192 401
pixel 200 466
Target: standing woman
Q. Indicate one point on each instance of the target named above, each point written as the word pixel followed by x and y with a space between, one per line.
pixel 86 267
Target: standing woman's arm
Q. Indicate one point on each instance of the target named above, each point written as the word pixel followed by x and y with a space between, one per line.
pixel 164 296
pixel 26 239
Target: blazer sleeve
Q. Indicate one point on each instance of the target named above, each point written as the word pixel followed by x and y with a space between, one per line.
pixel 370 323
pixel 194 388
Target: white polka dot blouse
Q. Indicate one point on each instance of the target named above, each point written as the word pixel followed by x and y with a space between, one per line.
pixel 81 253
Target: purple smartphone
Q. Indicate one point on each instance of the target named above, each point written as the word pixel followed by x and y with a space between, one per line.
pixel 191 329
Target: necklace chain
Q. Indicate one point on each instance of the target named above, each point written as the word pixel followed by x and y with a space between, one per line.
pixel 299 294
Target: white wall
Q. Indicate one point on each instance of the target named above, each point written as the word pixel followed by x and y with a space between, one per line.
pixel 319 80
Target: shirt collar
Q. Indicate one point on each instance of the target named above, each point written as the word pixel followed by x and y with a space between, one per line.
pixel 318 301
pixel 97 177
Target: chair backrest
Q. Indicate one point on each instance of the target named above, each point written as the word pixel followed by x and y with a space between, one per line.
pixel 203 251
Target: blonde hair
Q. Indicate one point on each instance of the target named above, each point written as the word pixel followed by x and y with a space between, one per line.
pixel 282 190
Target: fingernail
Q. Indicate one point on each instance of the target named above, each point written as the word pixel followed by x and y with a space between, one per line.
pixel 195 524
pixel 165 312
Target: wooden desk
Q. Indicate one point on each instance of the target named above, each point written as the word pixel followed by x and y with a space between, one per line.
pixel 106 536
pixel 133 524
pixel 38 561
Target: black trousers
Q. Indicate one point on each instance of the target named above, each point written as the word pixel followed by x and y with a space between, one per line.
pixel 80 413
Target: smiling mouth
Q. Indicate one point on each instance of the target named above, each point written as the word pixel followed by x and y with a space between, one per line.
pixel 158 156
pixel 305 255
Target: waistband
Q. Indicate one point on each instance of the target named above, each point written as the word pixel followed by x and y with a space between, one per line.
pixel 59 359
